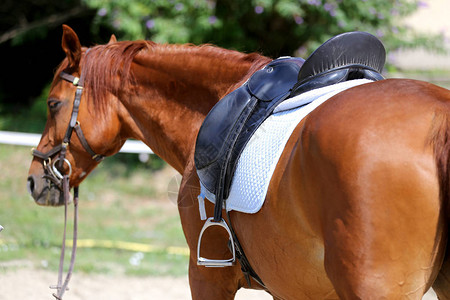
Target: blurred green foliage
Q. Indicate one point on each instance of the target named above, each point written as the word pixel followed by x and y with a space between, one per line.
pixel 273 27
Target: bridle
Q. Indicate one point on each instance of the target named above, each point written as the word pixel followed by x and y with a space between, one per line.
pixel 61 181
pixel 54 174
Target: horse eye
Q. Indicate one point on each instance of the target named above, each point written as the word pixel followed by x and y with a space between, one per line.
pixel 53 104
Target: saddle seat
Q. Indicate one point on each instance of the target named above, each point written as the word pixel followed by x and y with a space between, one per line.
pixel 232 121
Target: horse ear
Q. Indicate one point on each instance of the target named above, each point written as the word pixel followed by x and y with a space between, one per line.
pixel 113 39
pixel 71 46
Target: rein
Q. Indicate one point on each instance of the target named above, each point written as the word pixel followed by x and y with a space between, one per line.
pixel 61 181
pixel 60 286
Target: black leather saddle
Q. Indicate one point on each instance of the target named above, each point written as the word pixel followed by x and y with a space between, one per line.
pixel 348 56
pixel 232 121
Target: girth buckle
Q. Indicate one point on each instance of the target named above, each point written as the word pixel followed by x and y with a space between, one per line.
pixel 201 261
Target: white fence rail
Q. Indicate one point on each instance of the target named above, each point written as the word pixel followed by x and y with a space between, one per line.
pixel 32 140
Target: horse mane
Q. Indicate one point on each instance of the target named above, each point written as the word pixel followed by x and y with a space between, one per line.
pixel 106 68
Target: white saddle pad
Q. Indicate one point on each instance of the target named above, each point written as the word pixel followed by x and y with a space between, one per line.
pixel 258 160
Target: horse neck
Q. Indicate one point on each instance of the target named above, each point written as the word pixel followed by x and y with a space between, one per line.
pixel 176 87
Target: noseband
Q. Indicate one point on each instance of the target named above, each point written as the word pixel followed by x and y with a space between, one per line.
pixel 61 181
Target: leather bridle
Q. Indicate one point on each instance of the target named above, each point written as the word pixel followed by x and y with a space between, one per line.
pixel 61 181
pixel 52 167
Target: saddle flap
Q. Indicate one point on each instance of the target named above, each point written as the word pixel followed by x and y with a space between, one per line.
pixel 231 122
pixel 217 126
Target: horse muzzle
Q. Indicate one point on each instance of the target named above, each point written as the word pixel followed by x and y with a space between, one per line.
pixel 44 191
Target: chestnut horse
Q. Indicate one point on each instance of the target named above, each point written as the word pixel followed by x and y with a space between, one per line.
pixel 357 205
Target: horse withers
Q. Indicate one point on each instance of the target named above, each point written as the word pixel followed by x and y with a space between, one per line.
pixel 356 207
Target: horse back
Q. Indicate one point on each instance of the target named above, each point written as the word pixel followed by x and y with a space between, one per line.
pixel 358 191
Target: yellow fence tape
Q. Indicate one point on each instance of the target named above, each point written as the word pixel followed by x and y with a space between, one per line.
pixel 129 246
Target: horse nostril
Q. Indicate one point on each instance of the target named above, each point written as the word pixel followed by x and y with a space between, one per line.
pixel 30 184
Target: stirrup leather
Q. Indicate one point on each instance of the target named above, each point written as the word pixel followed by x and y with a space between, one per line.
pixel 201 261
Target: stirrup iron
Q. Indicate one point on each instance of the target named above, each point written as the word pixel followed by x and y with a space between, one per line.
pixel 201 261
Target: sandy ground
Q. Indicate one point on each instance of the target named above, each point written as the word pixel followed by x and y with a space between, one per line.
pixel 33 284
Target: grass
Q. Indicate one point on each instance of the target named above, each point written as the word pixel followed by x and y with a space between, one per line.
pixel 117 203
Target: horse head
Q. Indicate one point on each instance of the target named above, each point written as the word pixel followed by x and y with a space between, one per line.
pixel 65 149
pixel 103 95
